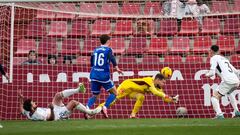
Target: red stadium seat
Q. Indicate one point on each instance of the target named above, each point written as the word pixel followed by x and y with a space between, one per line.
pixel 189 27
pixel 110 8
pixel 47 46
pixel 67 7
pixel 131 9
pixel 231 25
pixel 226 43
pixel 152 8
pixel 83 60
pixel 219 7
pixel 180 45
pixel 158 46
pixel 43 14
pixel 101 27
pixel 235 58
pixel 211 26
pixel 20 30
pixel 172 59
pixel 117 45
pixel 24 46
pixel 88 8
pixel 89 46
pixel 19 60
pixel 58 29
pixel 79 29
pixel 36 29
pixel 150 28
pixel 194 59
pixel 168 27
pixel 137 45
pixel 70 47
pixel 150 59
pixel 123 28
pixel 24 14
pixel 202 44
pixel 127 60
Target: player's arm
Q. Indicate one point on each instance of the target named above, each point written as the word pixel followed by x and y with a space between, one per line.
pixel 161 94
pixel 20 99
pixel 236 71
pixel 92 60
pixel 114 62
pixel 213 67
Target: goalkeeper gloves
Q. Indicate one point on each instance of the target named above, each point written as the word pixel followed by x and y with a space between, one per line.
pixel 169 99
pixel 175 99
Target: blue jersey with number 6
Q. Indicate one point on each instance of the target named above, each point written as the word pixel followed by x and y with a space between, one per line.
pixel 100 62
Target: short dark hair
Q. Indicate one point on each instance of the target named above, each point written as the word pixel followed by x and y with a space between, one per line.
pixel 27 104
pixel 65 58
pixel 159 76
pixel 104 39
pixel 50 57
pixel 215 48
pixel 32 51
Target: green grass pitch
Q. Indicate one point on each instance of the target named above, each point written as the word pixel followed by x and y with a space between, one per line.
pixel 123 127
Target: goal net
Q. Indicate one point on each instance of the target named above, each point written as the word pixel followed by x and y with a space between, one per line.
pixel 145 37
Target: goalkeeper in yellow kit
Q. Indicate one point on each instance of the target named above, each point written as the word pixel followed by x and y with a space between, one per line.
pixel 137 88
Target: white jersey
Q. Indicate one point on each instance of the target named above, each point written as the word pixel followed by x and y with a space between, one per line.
pixel 40 114
pixel 227 71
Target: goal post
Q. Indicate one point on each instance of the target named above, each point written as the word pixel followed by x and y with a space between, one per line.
pixel 144 38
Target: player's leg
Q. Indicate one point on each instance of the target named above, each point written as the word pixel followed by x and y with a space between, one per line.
pixel 59 96
pixel 112 96
pixel 138 104
pixel 121 92
pixel 233 100
pixel 221 91
pixel 73 104
pixel 95 89
pixel 215 103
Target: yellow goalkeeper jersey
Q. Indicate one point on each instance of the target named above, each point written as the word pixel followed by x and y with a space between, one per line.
pixel 143 85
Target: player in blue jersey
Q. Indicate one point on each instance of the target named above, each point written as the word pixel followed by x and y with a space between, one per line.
pixel 100 74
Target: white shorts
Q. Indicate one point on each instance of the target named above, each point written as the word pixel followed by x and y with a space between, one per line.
pixel 226 88
pixel 61 112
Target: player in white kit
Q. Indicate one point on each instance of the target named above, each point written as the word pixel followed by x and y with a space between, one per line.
pixel 56 110
pixel 230 81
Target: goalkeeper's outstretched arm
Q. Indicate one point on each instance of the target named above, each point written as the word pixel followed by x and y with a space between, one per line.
pixel 165 97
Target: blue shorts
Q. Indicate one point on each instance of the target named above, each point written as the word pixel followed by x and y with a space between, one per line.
pixel 96 86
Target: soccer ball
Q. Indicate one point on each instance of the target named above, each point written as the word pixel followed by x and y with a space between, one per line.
pixel 181 111
pixel 167 72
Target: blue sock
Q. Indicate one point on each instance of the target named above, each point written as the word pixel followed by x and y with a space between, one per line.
pixel 110 99
pixel 91 101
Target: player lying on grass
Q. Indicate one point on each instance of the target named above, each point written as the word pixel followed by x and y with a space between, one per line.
pixel 230 81
pixel 137 88
pixel 56 110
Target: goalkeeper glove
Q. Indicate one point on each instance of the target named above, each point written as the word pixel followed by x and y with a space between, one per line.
pixel 175 99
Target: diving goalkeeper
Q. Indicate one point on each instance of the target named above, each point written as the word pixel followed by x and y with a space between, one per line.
pixel 137 88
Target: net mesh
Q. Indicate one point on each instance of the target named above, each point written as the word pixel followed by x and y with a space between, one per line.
pixel 145 37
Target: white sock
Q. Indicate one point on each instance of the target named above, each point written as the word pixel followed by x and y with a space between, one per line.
pixel 84 109
pixel 69 92
pixel 233 102
pixel 216 105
